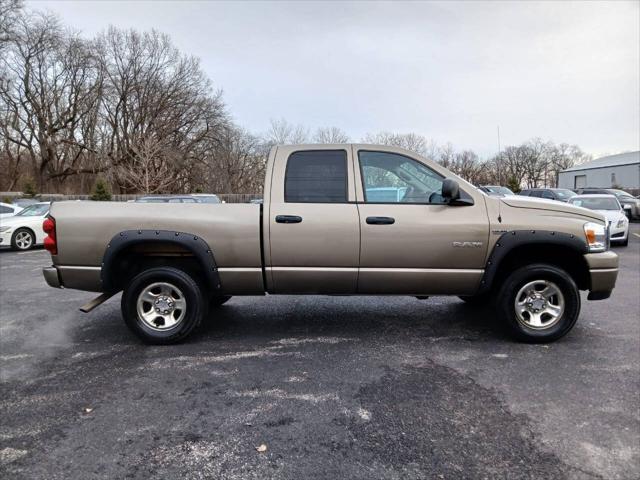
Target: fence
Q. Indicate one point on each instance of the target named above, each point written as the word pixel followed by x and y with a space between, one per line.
pixel 48 197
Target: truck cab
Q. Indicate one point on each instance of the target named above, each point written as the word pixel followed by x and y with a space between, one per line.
pixel 330 230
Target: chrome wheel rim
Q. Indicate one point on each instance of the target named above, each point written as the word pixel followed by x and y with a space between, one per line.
pixel 161 306
pixel 23 240
pixel 539 304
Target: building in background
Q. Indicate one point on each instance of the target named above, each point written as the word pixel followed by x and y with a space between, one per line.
pixel 614 171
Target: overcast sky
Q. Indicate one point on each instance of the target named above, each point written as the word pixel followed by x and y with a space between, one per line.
pixel 451 71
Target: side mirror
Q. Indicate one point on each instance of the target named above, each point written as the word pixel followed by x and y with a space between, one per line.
pixel 450 190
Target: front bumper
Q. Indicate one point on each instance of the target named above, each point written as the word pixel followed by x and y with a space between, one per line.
pixel 619 234
pixel 5 238
pixel 603 273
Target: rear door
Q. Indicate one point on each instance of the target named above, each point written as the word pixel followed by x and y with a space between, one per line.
pixel 411 241
pixel 314 230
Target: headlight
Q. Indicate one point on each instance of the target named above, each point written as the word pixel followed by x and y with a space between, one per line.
pixel 596 235
pixel 4 229
pixel 622 222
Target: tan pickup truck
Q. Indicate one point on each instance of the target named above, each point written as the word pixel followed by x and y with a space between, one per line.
pixel 337 220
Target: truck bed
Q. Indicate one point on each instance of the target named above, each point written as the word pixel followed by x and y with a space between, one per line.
pixel 232 231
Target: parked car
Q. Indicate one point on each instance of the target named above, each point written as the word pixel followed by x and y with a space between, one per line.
pixel 206 198
pixel 24 230
pixel 8 210
pixel 609 206
pixel 166 199
pixel 558 194
pixel 495 190
pixel 321 231
pixel 24 202
pixel 631 205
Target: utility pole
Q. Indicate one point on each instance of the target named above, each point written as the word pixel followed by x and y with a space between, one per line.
pixel 499 159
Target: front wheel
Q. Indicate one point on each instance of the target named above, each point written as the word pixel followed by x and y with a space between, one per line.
pixel 539 303
pixel 162 305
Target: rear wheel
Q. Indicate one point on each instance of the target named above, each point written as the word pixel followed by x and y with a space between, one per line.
pixel 539 303
pixel 162 305
pixel 23 239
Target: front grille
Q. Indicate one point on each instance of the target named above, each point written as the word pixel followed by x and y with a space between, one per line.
pixel 617 235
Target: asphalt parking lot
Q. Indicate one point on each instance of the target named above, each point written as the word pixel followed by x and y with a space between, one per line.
pixel 334 387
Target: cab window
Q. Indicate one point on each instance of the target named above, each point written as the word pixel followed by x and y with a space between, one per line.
pixel 394 178
pixel 318 176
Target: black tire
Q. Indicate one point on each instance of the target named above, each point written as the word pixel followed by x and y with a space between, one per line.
pixel 477 300
pixel 186 286
pixel 510 288
pixel 625 242
pixel 16 239
pixel 218 300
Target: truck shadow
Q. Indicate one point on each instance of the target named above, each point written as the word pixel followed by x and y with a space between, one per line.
pixel 275 317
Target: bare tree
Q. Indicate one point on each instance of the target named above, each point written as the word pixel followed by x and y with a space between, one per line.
pixel 10 11
pixel 561 157
pixel 53 83
pixel 330 135
pixel 153 92
pixel 282 132
pixel 150 169
pixel 409 141
pixel 236 165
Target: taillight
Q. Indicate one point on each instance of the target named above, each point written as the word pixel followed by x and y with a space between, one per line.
pixel 50 243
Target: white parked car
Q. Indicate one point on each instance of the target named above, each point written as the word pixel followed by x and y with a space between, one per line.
pixel 8 210
pixel 24 230
pixel 610 207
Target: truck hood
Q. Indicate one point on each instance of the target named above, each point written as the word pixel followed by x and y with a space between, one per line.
pixel 551 205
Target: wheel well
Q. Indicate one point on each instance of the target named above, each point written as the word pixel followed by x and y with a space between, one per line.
pixel 566 258
pixel 26 228
pixel 136 258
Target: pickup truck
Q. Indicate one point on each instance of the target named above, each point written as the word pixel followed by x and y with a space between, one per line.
pixel 336 220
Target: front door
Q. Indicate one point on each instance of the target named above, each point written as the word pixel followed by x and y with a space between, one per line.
pixel 412 242
pixel 314 229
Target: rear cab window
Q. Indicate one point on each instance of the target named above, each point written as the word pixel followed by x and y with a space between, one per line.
pixel 316 176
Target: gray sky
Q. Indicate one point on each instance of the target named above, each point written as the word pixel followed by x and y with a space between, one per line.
pixel 452 71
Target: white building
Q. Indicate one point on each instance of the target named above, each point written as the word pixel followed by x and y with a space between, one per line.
pixel 613 171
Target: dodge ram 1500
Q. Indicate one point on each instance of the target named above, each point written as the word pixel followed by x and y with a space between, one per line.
pixel 336 219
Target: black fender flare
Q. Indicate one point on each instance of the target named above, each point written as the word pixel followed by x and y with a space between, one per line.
pixel 128 238
pixel 516 238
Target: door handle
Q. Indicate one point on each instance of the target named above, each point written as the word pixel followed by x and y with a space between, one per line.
pixel 381 220
pixel 288 219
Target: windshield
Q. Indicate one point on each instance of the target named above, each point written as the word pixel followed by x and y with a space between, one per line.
pixel 596 203
pixel 35 210
pixel 621 194
pixel 563 193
